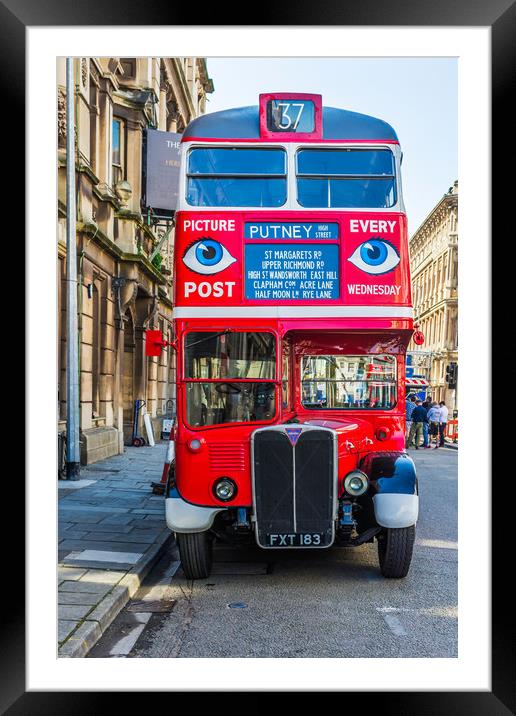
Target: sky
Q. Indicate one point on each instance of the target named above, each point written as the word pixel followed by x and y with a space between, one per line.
pixel 417 96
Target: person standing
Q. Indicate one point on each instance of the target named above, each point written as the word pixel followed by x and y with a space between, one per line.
pixel 410 404
pixel 419 417
pixel 433 418
pixel 443 420
pixel 426 406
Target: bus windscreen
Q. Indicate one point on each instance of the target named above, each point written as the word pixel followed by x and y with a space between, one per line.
pixel 351 178
pixel 338 382
pixel 237 177
pixel 230 355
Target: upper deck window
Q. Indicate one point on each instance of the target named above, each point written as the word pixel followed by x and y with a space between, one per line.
pixel 237 177
pixel 346 178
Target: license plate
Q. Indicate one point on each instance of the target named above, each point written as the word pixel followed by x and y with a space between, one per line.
pixel 296 539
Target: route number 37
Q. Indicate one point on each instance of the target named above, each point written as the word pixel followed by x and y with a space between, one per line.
pixel 291 116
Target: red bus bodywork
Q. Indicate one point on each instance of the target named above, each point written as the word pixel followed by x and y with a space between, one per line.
pixel 359 334
pixel 366 314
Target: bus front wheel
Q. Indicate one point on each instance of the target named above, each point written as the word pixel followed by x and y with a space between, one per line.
pixel 395 551
pixel 195 550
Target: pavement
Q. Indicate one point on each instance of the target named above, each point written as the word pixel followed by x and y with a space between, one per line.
pixel 112 531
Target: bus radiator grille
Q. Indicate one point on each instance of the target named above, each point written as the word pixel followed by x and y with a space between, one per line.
pixel 294 485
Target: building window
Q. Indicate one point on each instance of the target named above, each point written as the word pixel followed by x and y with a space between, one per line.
pixel 118 150
pixel 129 68
pixel 94 125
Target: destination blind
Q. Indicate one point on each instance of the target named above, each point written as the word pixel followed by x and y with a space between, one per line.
pixel 291 230
pixel 275 272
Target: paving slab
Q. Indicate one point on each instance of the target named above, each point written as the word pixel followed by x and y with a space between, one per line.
pixel 73 507
pixel 73 611
pixel 150 511
pixel 84 598
pixel 99 528
pixel 80 587
pixel 127 538
pixel 102 576
pixel 73 534
pixel 70 573
pixel 110 555
pixel 102 546
pixel 74 517
pixel 64 627
pixel 116 520
pixel 74 484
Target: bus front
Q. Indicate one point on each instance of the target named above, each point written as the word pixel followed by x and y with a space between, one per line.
pixel 292 317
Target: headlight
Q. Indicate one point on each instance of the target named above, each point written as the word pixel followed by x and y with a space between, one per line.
pixel 195 445
pixel 355 483
pixel 224 489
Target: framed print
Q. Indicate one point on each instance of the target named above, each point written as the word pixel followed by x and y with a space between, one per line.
pixel 34 37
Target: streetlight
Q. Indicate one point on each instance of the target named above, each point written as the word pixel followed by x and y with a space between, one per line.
pixel 73 463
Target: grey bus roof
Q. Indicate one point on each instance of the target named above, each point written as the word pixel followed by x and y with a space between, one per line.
pixel 243 123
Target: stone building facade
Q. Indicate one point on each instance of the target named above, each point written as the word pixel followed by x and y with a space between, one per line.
pixel 433 258
pixel 121 292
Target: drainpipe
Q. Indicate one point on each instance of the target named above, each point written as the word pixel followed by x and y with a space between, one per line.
pixel 73 463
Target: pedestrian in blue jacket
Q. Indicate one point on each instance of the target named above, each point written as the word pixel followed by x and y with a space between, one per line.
pixel 410 404
pixel 416 429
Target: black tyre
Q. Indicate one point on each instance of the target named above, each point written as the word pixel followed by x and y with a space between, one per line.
pixel 196 551
pixel 395 551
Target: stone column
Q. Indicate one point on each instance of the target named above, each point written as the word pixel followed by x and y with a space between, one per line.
pixel 163 106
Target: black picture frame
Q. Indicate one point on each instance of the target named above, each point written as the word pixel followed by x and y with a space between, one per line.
pixel 500 16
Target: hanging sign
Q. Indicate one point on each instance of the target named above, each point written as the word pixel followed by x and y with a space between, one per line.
pixel 161 166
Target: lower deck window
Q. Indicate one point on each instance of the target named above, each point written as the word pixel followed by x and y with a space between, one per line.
pixel 216 403
pixel 343 382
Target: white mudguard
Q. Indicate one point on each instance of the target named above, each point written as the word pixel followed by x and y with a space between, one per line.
pixel 395 509
pixel 183 517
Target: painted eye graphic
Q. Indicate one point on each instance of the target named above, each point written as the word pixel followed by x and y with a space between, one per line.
pixel 375 256
pixel 207 256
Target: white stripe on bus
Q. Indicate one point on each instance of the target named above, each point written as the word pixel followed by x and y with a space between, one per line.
pixel 293 312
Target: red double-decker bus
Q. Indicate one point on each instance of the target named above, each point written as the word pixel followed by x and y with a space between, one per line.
pixel 292 317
